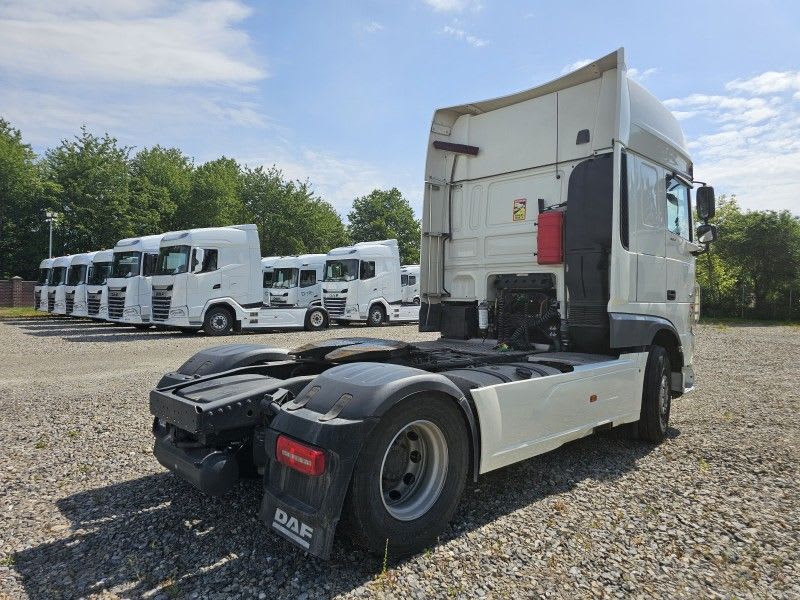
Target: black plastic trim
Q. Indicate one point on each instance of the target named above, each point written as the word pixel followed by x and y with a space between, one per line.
pixel 631 330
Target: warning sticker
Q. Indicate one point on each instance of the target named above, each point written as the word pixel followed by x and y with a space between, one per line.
pixel 520 209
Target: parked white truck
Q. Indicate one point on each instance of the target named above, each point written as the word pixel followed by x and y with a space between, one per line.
pixel 557 261
pixel 297 281
pixel 40 289
pixel 212 279
pixel 57 285
pixel 409 284
pixel 129 290
pixel 96 288
pixel 362 284
pixel 75 291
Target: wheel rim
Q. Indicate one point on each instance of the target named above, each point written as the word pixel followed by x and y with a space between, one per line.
pixel 663 402
pixel 377 316
pixel 219 322
pixel 414 470
pixel 316 318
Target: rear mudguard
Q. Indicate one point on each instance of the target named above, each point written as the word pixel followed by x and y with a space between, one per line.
pixel 336 412
pixel 218 359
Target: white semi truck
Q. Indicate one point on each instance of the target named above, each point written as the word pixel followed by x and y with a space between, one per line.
pixel 40 289
pixel 297 281
pixel 212 279
pixel 557 263
pixel 75 290
pixel 362 284
pixel 129 289
pixel 409 284
pixel 57 285
pixel 96 288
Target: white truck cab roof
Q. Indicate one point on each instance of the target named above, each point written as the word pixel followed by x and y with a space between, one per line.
pixel 86 258
pixel 369 249
pixel 63 261
pixel 313 261
pixel 145 243
pixel 46 263
pixel 212 236
pixel 268 262
pixel 103 256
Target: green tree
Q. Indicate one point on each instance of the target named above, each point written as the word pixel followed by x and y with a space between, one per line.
pixel 91 192
pixel 23 233
pixel 290 219
pixel 214 196
pixel 385 214
pixel 160 183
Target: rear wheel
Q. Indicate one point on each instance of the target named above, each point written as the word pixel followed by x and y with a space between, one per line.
pixel 656 397
pixel 316 320
pixel 218 321
pixel 376 315
pixel 409 477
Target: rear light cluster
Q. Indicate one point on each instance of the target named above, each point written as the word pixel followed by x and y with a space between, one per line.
pixel 300 457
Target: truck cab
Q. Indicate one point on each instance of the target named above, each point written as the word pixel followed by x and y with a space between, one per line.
pixel 75 290
pixel 362 283
pixel 96 288
pixel 40 289
pixel 409 284
pixel 57 285
pixel 297 281
pixel 268 270
pixel 129 289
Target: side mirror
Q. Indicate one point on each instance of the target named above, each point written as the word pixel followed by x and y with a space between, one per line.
pixel 707 233
pixel 199 254
pixel 706 203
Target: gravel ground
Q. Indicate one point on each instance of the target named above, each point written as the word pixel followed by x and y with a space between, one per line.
pixel 85 510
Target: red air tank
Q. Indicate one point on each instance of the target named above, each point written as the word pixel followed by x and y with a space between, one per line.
pixel 549 246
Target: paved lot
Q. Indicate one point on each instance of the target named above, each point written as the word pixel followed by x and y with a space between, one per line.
pixel 85 510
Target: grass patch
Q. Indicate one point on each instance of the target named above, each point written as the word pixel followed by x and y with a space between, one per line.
pixel 724 322
pixel 21 312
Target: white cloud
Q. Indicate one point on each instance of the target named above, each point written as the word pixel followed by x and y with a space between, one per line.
pixel 147 43
pixel 371 27
pixel 749 143
pixel 454 5
pixel 575 65
pixel 460 34
pixel 640 76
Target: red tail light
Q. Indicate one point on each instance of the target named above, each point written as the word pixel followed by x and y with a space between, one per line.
pixel 305 459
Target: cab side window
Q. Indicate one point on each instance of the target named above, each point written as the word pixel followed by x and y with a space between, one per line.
pixel 308 278
pixel 404 280
pixel 149 266
pixel 678 213
pixel 367 269
pixel 412 280
pixel 210 260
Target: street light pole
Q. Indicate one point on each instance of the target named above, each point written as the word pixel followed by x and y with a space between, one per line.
pixel 50 218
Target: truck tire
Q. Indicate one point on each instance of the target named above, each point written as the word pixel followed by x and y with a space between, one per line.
pixel 218 321
pixel 656 397
pixel 409 477
pixel 316 320
pixel 376 316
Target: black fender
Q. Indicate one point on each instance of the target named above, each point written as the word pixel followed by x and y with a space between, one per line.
pixel 222 358
pixel 336 412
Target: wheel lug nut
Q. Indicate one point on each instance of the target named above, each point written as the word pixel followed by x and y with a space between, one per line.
pixel 415 456
pixel 408 478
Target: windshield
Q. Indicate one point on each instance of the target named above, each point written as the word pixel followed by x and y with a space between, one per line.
pixel 43 273
pixel 59 276
pixel 99 273
pixel 341 270
pixel 285 278
pixel 173 260
pixel 125 264
pixel 76 275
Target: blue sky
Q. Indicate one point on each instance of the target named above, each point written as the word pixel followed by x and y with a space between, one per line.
pixel 342 93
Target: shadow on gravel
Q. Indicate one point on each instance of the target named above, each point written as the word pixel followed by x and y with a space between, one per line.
pixel 73 330
pixel 159 532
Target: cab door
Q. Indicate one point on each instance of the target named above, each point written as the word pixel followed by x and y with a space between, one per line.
pixel 205 284
pixel 680 262
pixel 648 217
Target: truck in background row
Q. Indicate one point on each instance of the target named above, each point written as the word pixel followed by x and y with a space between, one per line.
pixel 212 279
pixel 40 289
pixel 96 285
pixel 129 290
pixel 75 290
pixel 409 284
pixel 557 264
pixel 297 281
pixel 362 284
pixel 57 285
pixel 268 270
